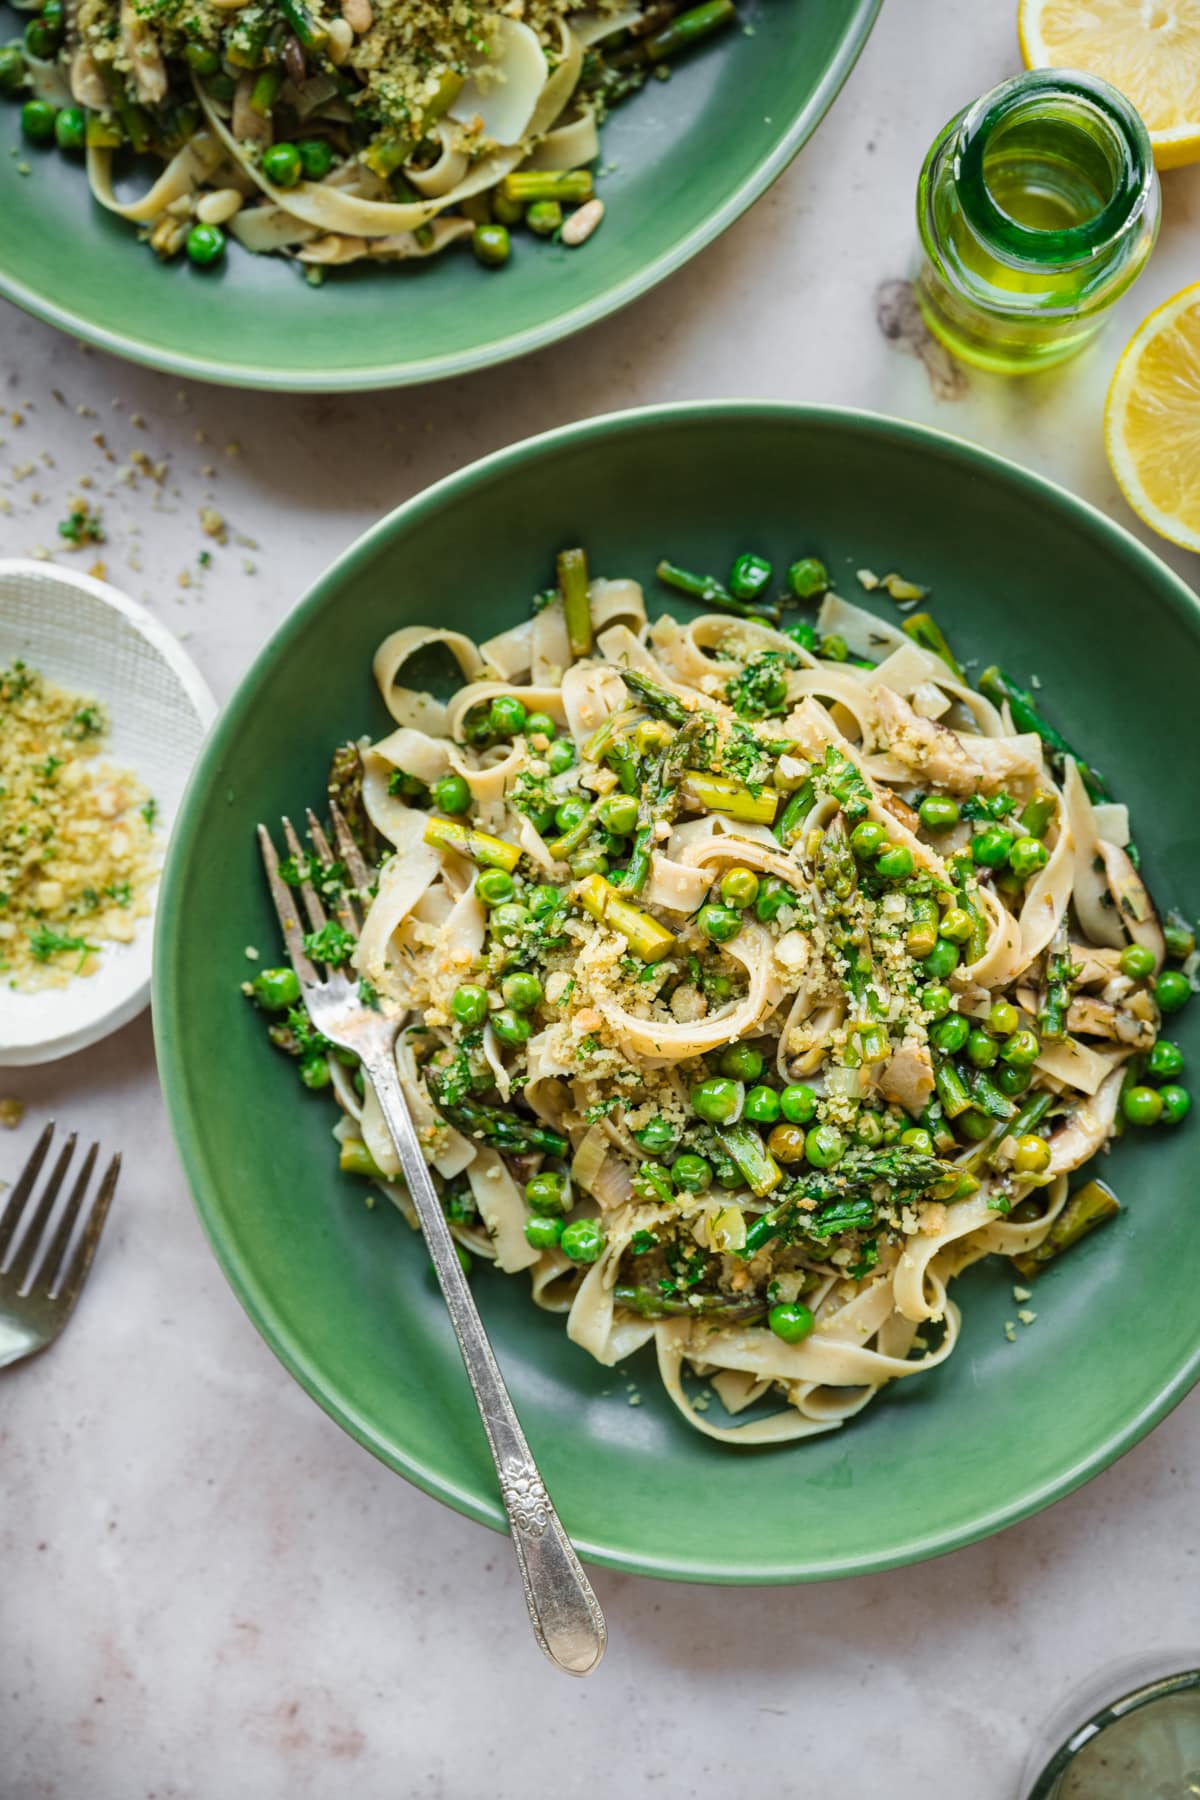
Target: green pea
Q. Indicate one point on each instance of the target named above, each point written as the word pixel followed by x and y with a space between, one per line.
pixel 653 1184
pixel 786 1142
pixel 951 1033
pixel 69 128
pixel 1032 1155
pixel 1021 1049
pixel 1012 1081
pixel 504 210
pixel 990 847
pixel 1176 1104
pixel 1142 1105
pixel 543 899
pixel 718 1101
pixel 955 925
pixel 571 813
pixel 1172 990
pixel 803 634
pixel 506 716
pixel 544 1234
pixel 512 1028
pixel 494 886
pixel 281 165
pixel 739 887
pixel 791 1320
pixel 938 814
pixel 1027 856
pixel 12 70
pixel 741 1062
pixel 314 1071
pixel 1136 961
pixel 825 1146
pixel 807 578
pixel 691 1174
pixel 942 960
pixel 42 39
pixel 546 1192
pixel 798 1103
pixel 1179 939
pixel 202 58
pixel 982 1048
pixel 469 1004
pixel 492 246
pixel 719 923
pixel 316 158
pixel 451 794
pixel 773 895
pixel 521 990
pixel 657 1135
pixel 588 862
pixel 868 839
pixel 583 1241
pixel 205 245
pixel 937 999
pixel 619 813
pixel 1164 1061
pixel 37 121
pixel 834 648
pixel 539 724
pixel 510 918
pixel 276 989
pixel 868 1130
pixel 762 1106
pixel 560 756
pixel 1003 1018
pixel 544 218
pixel 974 1124
pixel 542 819
pixel 896 862
pixel 750 576
pixel 917 1138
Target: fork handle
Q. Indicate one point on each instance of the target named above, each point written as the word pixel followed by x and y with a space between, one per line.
pixel 563 1610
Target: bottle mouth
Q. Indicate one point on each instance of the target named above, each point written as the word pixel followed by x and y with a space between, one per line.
pixel 1053 165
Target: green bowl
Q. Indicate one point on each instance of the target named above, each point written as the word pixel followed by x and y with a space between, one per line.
pixel 1021 573
pixel 682 160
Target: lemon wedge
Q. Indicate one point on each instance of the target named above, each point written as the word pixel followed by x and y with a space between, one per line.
pixel 1152 420
pixel 1149 49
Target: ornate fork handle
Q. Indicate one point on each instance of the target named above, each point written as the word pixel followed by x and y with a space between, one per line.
pixel 563 1610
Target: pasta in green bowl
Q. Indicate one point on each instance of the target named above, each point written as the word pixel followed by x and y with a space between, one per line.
pixel 774 968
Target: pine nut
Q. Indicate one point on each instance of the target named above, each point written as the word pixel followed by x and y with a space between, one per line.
pixel 221 204
pixel 358 15
pixel 581 224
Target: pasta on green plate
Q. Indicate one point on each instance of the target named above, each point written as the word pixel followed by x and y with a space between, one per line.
pixel 756 981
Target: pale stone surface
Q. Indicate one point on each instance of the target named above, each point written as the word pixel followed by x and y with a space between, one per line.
pixel 206 1590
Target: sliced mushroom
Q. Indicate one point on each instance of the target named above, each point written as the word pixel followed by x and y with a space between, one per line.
pixel 899 809
pixel 963 764
pixel 87 83
pixel 1096 967
pixel 146 65
pixel 907 1077
pixel 1131 897
pixel 1087 1128
pixel 1100 1018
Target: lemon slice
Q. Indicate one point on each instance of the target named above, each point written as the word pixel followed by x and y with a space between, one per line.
pixel 1152 420
pixel 1150 49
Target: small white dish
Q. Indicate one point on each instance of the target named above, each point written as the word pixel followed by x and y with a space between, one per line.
pixel 87 637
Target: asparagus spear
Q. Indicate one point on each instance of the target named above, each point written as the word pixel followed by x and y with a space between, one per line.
pixel 356 1159
pixel 1030 1114
pixel 845 1191
pixel 494 1125
pixel 745 1148
pixel 924 915
pixel 344 785
pixel 310 29
pixel 711 592
pixel 952 1090
pixel 573 582
pixel 999 687
pixel 491 852
pixel 659 800
pixel 651 1305
pixel 1088 1207
pixel 722 794
pixel 924 629
pixel 526 185
pixel 1038 813
pixel 644 935
pixel 787 826
pixel 1056 994
pixel 687 29
pixel 569 842
pixel 656 699
pixel 987 1096
pixel 837 871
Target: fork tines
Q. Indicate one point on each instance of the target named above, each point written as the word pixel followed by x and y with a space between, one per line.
pixel 284 894
pixel 35 1260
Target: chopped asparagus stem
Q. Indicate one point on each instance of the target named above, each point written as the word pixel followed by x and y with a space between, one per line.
pixel 924 629
pixel 1088 1207
pixel 577 612
pixel 742 1144
pixel 999 687
pixel 722 794
pixel 490 852
pixel 644 935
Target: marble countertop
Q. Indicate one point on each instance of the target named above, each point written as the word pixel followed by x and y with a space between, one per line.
pixel 207 1592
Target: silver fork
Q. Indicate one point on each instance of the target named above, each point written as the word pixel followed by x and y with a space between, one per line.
pixel 563 1610
pixel 39 1281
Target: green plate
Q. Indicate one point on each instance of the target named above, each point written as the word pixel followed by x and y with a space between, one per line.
pixel 682 160
pixel 1021 573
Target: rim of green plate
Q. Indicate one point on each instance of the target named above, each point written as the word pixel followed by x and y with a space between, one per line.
pixel 187 1126
pixel 503 349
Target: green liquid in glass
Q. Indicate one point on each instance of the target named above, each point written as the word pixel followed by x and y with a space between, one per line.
pixel 1145 1746
pixel 1037 207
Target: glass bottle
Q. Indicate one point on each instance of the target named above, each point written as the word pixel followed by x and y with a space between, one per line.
pixel 1037 206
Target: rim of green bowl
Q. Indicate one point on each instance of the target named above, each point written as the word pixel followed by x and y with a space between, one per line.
pixel 506 348
pixel 188 1127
